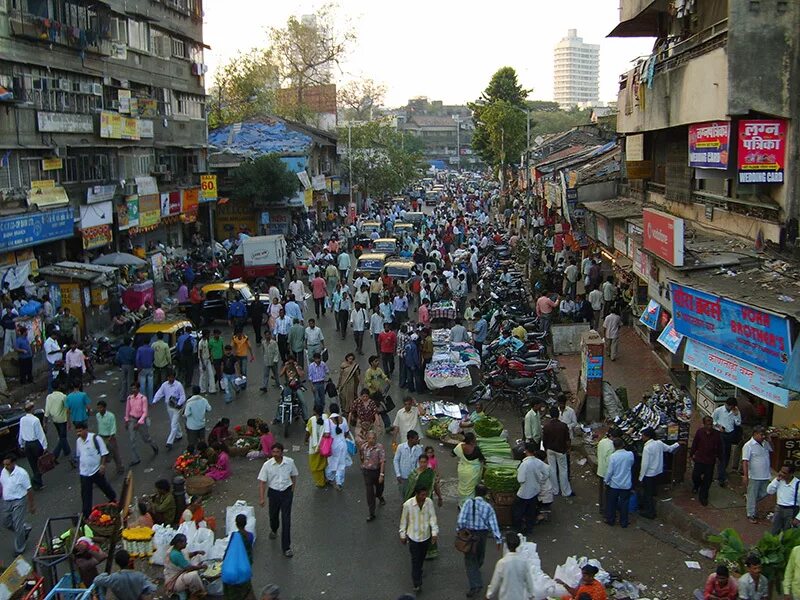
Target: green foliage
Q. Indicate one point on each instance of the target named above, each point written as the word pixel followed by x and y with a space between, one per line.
pixel 243 88
pixel 488 427
pixel 266 180
pixel 384 161
pixel 549 121
pixel 358 98
pixel 732 549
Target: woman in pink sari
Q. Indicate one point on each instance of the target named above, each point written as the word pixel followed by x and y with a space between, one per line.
pixel 221 469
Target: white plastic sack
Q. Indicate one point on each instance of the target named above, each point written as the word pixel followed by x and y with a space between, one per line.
pixel 203 541
pixel 569 572
pixel 544 587
pixel 189 529
pixel 162 536
pixel 218 549
pixel 602 576
pixel 528 551
pixel 240 507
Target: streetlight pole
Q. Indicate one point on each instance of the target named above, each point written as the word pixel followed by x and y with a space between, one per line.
pixel 528 191
pixel 458 140
pixel 350 159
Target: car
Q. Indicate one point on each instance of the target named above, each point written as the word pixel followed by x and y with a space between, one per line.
pixel 402 228
pixel 215 306
pixel 371 263
pixel 9 427
pixel 413 217
pixel 172 329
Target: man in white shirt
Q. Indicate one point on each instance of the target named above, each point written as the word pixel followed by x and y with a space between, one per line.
pixel 609 294
pixel 458 333
pixel 728 421
pixel 92 455
pixel 756 470
pixel 33 442
pixel 52 352
pixel 571 275
pixel 315 339
pixel 17 494
pixel 419 529
pixel 785 486
pixel 567 415
pixel 513 578
pixel 406 419
pixel 276 481
pixel 525 504
pixel 358 321
pixel 611 326
pixel 596 300
pixel 651 468
pixel 532 424
pixel 172 392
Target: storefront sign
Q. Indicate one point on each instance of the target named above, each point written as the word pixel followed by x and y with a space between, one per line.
pixel 748 333
pixel 128 213
pixel 762 150
pixel 64 122
pixel 32 229
pixel 115 126
pixel 265 217
pixel 663 236
pixel 670 338
pixel 96 214
pixel 708 145
pixel 190 199
pixel 732 370
pixel 620 239
pixel 157 262
pixel 642 264
pixel 96 237
pixel 47 195
pixel 318 182
pixel 208 188
pixel 100 193
pixel 308 198
pixel 149 210
pixel 602 230
pixel 170 204
pixel 650 315
pixel 52 164
pixel 145 129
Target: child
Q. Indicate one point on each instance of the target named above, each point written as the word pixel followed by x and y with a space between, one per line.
pixel 432 462
pixel 545 490
pixel 267 440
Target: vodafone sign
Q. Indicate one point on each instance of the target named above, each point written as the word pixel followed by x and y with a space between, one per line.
pixel 663 236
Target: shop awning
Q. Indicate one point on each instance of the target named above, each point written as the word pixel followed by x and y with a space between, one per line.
pixel 644 24
pixel 615 208
pixel 74 271
pixel 48 197
pixel 791 376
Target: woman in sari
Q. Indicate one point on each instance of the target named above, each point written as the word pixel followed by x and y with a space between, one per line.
pixel 314 430
pixel 470 467
pixel 180 575
pixel 349 378
pixel 240 591
pixel 222 468
pixel 426 477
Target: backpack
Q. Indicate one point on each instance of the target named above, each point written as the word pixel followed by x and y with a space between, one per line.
pixel 187 350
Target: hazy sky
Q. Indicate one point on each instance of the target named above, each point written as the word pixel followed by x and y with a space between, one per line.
pixel 443 49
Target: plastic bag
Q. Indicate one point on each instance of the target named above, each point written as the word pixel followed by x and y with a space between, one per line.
pixel 569 572
pixel 189 529
pixel 162 536
pixel 351 447
pixel 326 446
pixel 240 507
pixel 236 567
pixel 218 549
pixel 203 541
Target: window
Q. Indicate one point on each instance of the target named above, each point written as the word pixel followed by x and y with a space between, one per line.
pixel 40 8
pixel 32 169
pixel 160 43
pixel 164 99
pixel 71 169
pixel 178 48
pixel 118 29
pixel 189 105
pixel 138 35
pixel 144 164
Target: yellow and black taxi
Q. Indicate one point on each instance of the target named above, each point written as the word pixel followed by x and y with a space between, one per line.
pixel 387 245
pixel 147 333
pixel 371 263
pixel 399 268
pixel 218 297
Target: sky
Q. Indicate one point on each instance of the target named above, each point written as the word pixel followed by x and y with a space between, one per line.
pixel 443 49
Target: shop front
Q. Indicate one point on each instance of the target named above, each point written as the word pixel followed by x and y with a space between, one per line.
pixel 235 216
pixel 30 239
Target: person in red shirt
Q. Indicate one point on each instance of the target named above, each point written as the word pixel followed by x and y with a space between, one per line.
pixel 720 586
pixel 705 451
pixel 319 289
pixel 196 299
pixel 387 343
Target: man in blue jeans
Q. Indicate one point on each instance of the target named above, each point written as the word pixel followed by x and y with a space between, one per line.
pixel 618 484
pixel 230 370
pixel 727 419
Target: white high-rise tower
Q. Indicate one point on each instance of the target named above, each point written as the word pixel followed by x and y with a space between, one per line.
pixel 576 71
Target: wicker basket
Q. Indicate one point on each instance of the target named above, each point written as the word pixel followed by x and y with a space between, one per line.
pixel 237 451
pixel 107 531
pixel 503 498
pixel 199 485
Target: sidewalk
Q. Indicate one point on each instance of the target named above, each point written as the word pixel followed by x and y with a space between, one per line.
pixel 637 369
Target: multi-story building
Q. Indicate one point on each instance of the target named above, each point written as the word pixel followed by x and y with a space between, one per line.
pixel 712 141
pixel 103 120
pixel 576 72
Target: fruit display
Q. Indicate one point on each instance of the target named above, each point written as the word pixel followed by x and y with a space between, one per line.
pixel 138 541
pixel 488 427
pixel 104 519
pixel 502 479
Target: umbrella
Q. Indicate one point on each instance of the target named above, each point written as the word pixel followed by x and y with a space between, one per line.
pixel 118 259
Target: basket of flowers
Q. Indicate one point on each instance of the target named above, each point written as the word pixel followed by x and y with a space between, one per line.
pixel 189 465
pixel 240 446
pixel 104 519
pixel 138 541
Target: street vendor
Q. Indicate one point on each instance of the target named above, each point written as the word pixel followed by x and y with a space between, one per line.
pixel 163 504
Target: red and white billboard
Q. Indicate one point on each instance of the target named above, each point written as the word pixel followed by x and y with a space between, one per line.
pixel 663 236
pixel 761 150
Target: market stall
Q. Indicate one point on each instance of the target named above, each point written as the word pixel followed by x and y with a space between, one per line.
pixel 451 362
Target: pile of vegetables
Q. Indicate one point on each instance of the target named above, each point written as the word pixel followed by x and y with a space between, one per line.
pixel 501 479
pixel 488 427
pixel 437 430
pixel 494 446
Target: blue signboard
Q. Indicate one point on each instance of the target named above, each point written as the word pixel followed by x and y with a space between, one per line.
pixel 670 338
pixel 30 229
pixel 594 367
pixel 749 333
pixel 650 315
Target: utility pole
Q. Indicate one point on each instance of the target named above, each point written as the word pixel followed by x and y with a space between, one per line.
pixel 528 191
pixel 350 159
pixel 457 119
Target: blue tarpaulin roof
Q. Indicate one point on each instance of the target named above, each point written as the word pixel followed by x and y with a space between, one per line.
pixel 256 138
pixel 438 164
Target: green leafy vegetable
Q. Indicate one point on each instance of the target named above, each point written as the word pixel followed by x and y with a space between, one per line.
pixel 488 427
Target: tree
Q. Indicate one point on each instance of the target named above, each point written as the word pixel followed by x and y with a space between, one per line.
pixel 498 130
pixel 243 88
pixel 547 120
pixel 307 49
pixel 265 180
pixel 384 160
pixel 358 98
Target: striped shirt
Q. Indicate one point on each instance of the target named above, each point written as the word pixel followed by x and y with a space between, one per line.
pixel 418 524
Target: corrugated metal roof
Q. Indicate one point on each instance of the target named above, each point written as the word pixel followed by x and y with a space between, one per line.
pixel 615 208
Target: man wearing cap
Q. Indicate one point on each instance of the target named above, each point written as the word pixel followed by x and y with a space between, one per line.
pixel 33 442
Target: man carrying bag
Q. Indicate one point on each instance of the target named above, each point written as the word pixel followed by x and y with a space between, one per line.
pixel 476 520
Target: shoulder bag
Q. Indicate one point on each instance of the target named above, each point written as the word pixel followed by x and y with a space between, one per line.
pixel 466 540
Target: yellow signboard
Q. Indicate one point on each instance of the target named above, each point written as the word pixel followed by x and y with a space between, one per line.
pixel 208 188
pixel 309 198
pixel 41 184
pixel 52 164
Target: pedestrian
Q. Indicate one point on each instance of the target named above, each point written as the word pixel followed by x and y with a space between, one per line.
pixel 33 442
pixel 406 459
pixel 756 471
pixel 387 342
pixel 92 457
pixel 479 332
pixel 605 448
pixel 257 318
pixel 753 585
pixel 470 466
pixel 791 575
pixel 315 427
pixel 237 313
pixel 532 423
pixel 137 422
pixel 126 583
pixel 618 483
pixel 373 469
pixel 195 412
pixel 230 371
pixel 525 503
pixel 53 354
pixel 359 322
pixel 349 380
pixel 319 291
pixel 208 376
pixel 784 487
pixel 107 430
pixel 400 307
pixel 242 350
pixel 55 412
pixel 174 396
pixel 283 325
pixel 343 263
pixel 705 451
pixel 611 327
pixel 75 364
pixel 78 404
pixel 595 299
pixel 277 479
pixel 126 359
pixel 315 339
pixel 17 501
pixel 512 578
pixel 185 348
pixel 545 306
pixel 651 469
pixel 217 348
pixel 376 326
pixel 556 442
pixel 408 418
pixel 728 421
pixel 318 374
pixel 271 354
pixel 479 517
pixel 337 428
pixel 418 529
pixel 588 586
pixel 196 300
pixel 144 364
pixel 241 590
pixel 297 342
pixel 343 313
pixel 162 360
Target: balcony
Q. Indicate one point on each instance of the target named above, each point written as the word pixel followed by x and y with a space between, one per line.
pixel 49 31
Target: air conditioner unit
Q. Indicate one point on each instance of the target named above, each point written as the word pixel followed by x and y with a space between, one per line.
pixel 97 89
pixel 86 87
pixel 114 105
pixel 65 85
pixel 129 189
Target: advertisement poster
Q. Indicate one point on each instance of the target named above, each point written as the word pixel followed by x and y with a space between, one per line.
pixel 748 333
pixel 191 198
pixel 650 315
pixel 208 188
pixel 594 367
pixel 729 368
pixel 670 338
pixel 762 150
pixel 96 236
pixel 663 236
pixel 708 145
